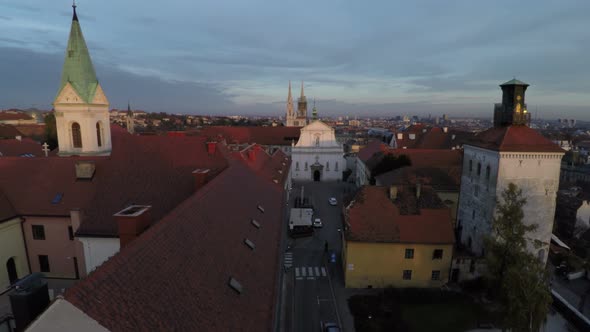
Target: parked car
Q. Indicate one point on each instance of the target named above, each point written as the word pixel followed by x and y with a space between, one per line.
pixel 329 327
pixel 333 201
pixel 317 223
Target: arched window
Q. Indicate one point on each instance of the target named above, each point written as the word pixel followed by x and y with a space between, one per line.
pixel 306 165
pixel 99 134
pixel 76 135
pixel 317 140
pixel 327 165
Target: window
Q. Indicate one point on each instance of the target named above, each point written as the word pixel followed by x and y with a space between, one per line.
pixel 317 140
pixel 470 165
pixel 407 275
pixel 435 275
pixel 38 232
pixel 297 166
pixel 305 166
pixel 409 253
pixel 327 165
pixel 437 254
pixel 76 135
pixel 473 215
pixel 98 135
pixel 44 263
pixel 71 233
pixel 488 173
pixel 336 167
pixel 478 169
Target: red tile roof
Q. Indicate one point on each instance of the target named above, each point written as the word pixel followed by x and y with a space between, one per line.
pixel 20 148
pixel 11 116
pixel 148 170
pixel 175 275
pixel 514 139
pixel 32 130
pixel 441 179
pixel 250 135
pixel 371 149
pixel 6 209
pixel 8 131
pixel 373 217
pixel 432 157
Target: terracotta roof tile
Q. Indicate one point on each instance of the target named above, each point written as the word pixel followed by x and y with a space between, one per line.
pixel 373 217
pixel 8 131
pixel 11 116
pixel 371 149
pixel 514 139
pixel 437 177
pixel 23 147
pixel 250 135
pixel 175 275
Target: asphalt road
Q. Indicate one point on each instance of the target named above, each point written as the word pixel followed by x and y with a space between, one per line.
pixel 309 293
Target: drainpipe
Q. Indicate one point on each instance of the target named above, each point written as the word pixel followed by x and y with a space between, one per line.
pixel 25 242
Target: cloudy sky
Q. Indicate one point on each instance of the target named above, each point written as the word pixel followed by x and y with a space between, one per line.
pixel 356 57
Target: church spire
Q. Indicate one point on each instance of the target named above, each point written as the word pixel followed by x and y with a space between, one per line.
pixel 314 111
pixel 78 69
pixel 302 94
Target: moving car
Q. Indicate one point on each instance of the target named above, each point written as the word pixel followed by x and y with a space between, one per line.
pixel 317 223
pixel 333 201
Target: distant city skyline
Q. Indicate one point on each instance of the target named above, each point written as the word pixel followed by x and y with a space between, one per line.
pixel 236 57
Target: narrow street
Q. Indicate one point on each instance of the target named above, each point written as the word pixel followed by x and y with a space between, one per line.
pixel 308 295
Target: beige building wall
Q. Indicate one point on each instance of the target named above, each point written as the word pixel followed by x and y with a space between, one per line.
pixel 382 265
pixel 64 254
pixel 12 245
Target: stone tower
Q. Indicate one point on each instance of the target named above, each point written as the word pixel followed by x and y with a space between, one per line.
pixel 510 152
pixel 81 107
pixel 302 105
pixel 513 109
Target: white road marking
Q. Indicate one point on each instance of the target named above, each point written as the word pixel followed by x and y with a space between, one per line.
pixel 303 271
pixel 310 270
pixel 323 271
pixel 297 272
pixel 310 278
pixel 317 271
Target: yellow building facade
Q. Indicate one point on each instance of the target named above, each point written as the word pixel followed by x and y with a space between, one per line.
pixel 13 256
pixel 381 265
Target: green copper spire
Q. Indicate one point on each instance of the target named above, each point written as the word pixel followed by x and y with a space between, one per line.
pixel 78 69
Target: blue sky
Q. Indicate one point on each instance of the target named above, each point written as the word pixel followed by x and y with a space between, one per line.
pixel 356 57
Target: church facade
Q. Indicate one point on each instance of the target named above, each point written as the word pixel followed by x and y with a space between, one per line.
pixel 317 156
pixel 299 118
pixel 510 152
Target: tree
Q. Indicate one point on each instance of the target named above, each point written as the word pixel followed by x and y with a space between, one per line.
pixel 517 277
pixel 51 131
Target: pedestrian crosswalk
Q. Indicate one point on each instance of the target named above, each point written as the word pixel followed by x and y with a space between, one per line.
pixel 310 272
pixel 288 260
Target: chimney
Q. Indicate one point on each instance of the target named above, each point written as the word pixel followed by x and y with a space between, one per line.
pixel 201 177
pixel 132 221
pixel 445 129
pixel 211 147
pixel 18 138
pixel 400 136
pixel 418 189
pixel 393 193
pixel 85 170
pixel 251 155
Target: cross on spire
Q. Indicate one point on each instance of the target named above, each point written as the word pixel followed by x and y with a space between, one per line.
pixel 75 18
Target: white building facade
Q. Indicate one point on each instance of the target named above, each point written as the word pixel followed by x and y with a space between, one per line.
pixel 317 156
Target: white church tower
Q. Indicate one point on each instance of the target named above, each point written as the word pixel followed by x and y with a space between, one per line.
pixel 510 152
pixel 81 107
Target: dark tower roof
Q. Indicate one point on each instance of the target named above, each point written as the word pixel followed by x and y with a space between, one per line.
pixel 75 18
pixel 514 81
